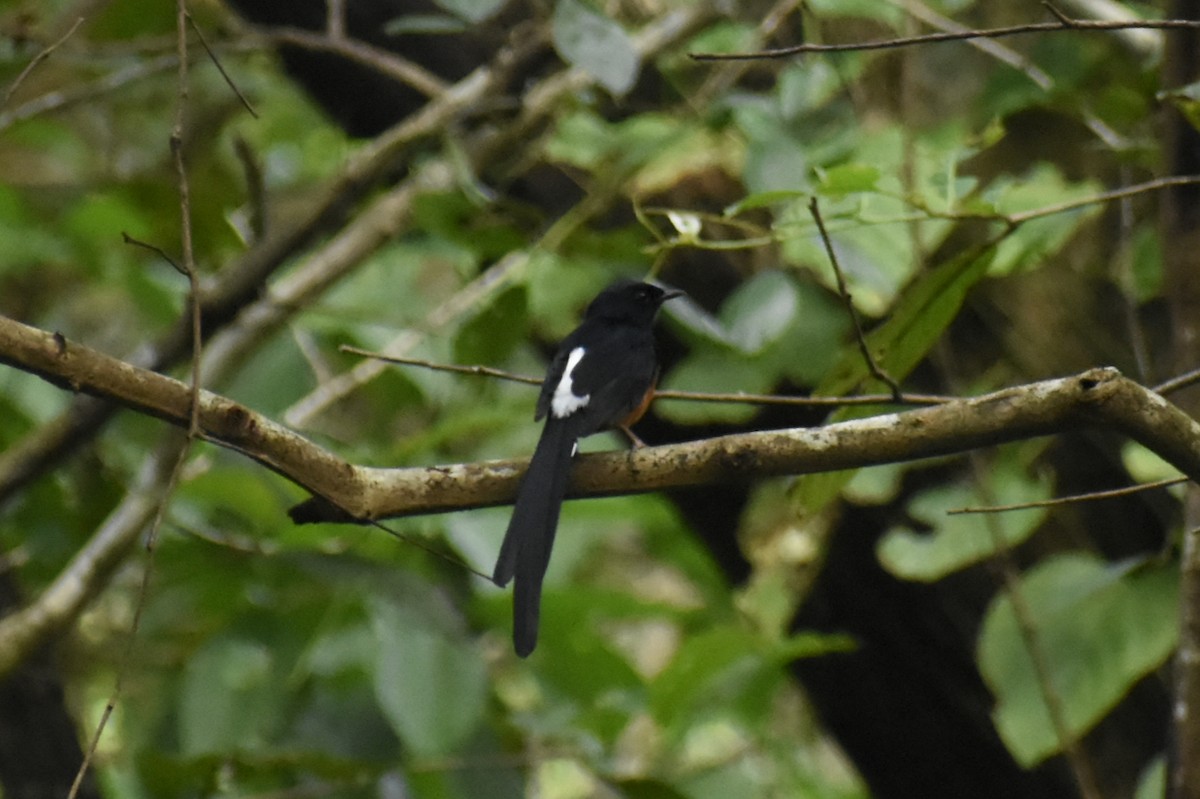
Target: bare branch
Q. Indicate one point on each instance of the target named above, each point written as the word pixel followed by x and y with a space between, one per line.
pixel 258 219
pixel 479 371
pixel 383 61
pixel 686 396
pixel 78 93
pixel 335 18
pixel 1178 383
pixel 1073 499
pixel 88 573
pixel 37 59
pixel 188 267
pixel 1052 700
pixel 953 36
pixel 1100 397
pixel 154 248
pixel 814 208
pixel 217 63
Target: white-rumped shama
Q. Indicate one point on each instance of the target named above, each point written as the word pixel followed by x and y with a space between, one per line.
pixel 603 376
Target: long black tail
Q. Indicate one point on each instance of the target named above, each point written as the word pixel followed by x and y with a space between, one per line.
pixel 525 553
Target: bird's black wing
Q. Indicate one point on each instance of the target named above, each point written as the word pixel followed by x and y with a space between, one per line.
pixel 617 367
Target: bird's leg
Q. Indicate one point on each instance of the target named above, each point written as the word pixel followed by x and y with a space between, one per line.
pixel 634 441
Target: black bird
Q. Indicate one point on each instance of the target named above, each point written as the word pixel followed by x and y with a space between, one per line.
pixel 602 377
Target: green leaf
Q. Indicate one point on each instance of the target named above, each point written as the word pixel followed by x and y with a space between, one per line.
pixel 755 316
pixel 846 179
pixel 764 199
pixel 924 311
pixel 586 140
pixel 430 682
pixel 1035 240
pixel 810 348
pixel 920 317
pixel 725 36
pixel 230 697
pixel 759 312
pixel 771 329
pixel 233 492
pixel 493 334
pixel 809 644
pixel 961 540
pixel 864 9
pixel 698 324
pixel 425 23
pixel 1145 465
pixel 1153 782
pixel 471 10
pixel 23 240
pixel 1186 100
pixel 648 789
pixel 1147 264
pixel 775 161
pixel 587 39
pixel 806 86
pixel 1102 628
pixel 711 370
pixel 708 667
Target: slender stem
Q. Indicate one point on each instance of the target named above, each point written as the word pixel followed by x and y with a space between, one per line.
pixel 952 36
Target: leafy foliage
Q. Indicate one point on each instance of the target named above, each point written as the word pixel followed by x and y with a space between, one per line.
pixel 340 661
pixel 1103 627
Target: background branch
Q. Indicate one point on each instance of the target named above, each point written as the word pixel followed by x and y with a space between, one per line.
pixel 952 36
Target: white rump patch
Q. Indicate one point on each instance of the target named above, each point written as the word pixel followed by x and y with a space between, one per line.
pixel 565 402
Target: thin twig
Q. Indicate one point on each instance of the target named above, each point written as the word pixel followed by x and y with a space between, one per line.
pixel 150 472
pixel 63 98
pixel 811 402
pixel 383 61
pixel 259 219
pixel 1074 498
pixel 154 248
pixel 952 36
pixel 185 216
pixel 687 396
pixel 217 63
pixel 1017 61
pixel 815 209
pixel 719 80
pixel 1059 15
pixel 188 267
pixel 1177 383
pixel 1104 197
pixel 483 371
pixel 335 18
pixel 1010 578
pixel 421 545
pixel 37 59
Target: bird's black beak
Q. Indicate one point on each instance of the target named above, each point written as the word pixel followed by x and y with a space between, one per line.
pixel 670 294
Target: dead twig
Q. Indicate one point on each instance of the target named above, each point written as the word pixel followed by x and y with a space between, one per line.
pixel 953 36
pixel 1073 499
pixel 45 53
pixel 844 292
pixel 217 63
pixel 686 396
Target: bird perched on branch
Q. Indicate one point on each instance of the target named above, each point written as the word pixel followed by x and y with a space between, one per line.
pixel 602 377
